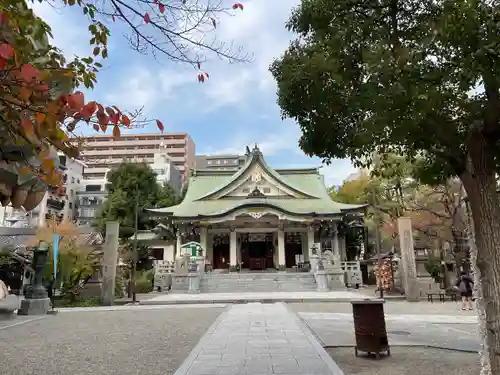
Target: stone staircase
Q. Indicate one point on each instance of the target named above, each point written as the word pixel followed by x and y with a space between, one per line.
pixel 257 282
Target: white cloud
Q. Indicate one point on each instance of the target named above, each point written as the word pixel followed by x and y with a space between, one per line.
pixel 70 33
pixel 282 137
pixel 259 30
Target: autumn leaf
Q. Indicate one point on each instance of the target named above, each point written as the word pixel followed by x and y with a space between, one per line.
pixel 214 23
pixel 25 94
pixel 146 19
pixel 48 164
pixel 198 65
pixel 102 118
pixel 76 101
pixel 206 75
pixel 201 78
pixel 96 127
pixel 104 127
pixel 113 18
pixel 26 126
pixel 39 118
pixel 23 171
pixel 29 72
pixel 162 8
pixel 238 5
pixel 116 131
pixel 6 51
pixel 160 126
pixel 126 121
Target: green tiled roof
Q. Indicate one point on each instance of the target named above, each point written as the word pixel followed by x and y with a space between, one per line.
pixel 307 182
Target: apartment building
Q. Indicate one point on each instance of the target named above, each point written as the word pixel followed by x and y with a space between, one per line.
pixel 57 203
pixel 220 162
pixel 102 152
pixel 94 192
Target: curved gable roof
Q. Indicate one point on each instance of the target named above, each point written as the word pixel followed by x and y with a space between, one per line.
pixel 256 159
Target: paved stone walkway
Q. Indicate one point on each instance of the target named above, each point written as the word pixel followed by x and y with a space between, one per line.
pixel 258 339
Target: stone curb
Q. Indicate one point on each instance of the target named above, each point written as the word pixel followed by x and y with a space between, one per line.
pixel 316 343
pixel 411 345
pixel 187 363
pixel 237 300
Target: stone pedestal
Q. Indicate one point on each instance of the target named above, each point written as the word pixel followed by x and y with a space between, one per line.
pixel 321 281
pixel 335 279
pixel 314 258
pixel 194 282
pixel 109 263
pixel 200 263
pixel 409 267
pixel 34 306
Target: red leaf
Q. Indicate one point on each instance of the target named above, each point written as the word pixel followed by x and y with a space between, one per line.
pixel 125 121
pixel 6 51
pixel 116 131
pixel 29 72
pixel 104 128
pixel 160 125
pixel 96 127
pixel 2 64
pixel 199 66
pixel 156 1
pixel 113 18
pixel 235 6
pixel 240 6
pixel 146 18
pixel 76 101
pixel 206 75
pixel 162 8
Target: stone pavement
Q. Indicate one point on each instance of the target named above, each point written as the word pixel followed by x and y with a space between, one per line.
pixel 258 339
pixel 438 331
pixel 300 296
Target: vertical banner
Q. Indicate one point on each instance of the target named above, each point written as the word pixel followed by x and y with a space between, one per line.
pixel 55 248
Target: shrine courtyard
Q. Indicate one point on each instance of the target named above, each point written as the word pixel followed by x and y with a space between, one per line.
pixel 254 338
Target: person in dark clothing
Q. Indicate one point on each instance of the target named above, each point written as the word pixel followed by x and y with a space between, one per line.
pixel 465 284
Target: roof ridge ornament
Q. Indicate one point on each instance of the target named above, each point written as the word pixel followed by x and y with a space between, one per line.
pixel 256 150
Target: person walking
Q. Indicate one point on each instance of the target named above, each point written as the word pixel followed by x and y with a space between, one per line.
pixel 464 284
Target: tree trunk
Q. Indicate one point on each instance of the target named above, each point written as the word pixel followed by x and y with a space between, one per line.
pixel 481 311
pixel 479 182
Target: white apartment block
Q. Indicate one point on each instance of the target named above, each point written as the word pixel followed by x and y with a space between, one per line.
pixel 93 192
pixel 102 152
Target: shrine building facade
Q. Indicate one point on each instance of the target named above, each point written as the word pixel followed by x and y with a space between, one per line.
pixel 259 218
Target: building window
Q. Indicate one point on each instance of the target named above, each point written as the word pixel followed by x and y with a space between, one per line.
pixel 70 205
pixel 209 162
pixel 218 161
pixel 266 190
pixel 225 161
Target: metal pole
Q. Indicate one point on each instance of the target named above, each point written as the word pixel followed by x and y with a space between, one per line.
pixel 378 240
pixel 134 245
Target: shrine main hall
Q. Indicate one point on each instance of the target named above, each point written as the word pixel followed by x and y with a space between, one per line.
pixel 259 218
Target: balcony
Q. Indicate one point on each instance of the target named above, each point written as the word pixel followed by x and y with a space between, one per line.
pixel 56 204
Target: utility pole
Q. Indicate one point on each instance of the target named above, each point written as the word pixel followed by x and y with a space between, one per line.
pixel 134 245
pixel 378 240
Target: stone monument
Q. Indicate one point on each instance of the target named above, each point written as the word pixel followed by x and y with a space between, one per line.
pixel 334 272
pixel 36 300
pixel 409 268
pixel 110 259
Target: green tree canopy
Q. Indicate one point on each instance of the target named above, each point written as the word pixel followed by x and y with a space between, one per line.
pixel 414 77
pixel 127 183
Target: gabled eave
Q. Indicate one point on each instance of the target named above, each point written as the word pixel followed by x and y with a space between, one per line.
pixel 258 159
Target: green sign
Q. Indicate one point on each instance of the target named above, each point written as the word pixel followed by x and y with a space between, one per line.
pixel 191 247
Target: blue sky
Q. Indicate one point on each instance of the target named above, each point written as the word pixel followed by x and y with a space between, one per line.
pixel 234 108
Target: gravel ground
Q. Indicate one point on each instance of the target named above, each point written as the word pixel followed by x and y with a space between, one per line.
pixel 404 360
pixel 109 342
pixel 390 307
